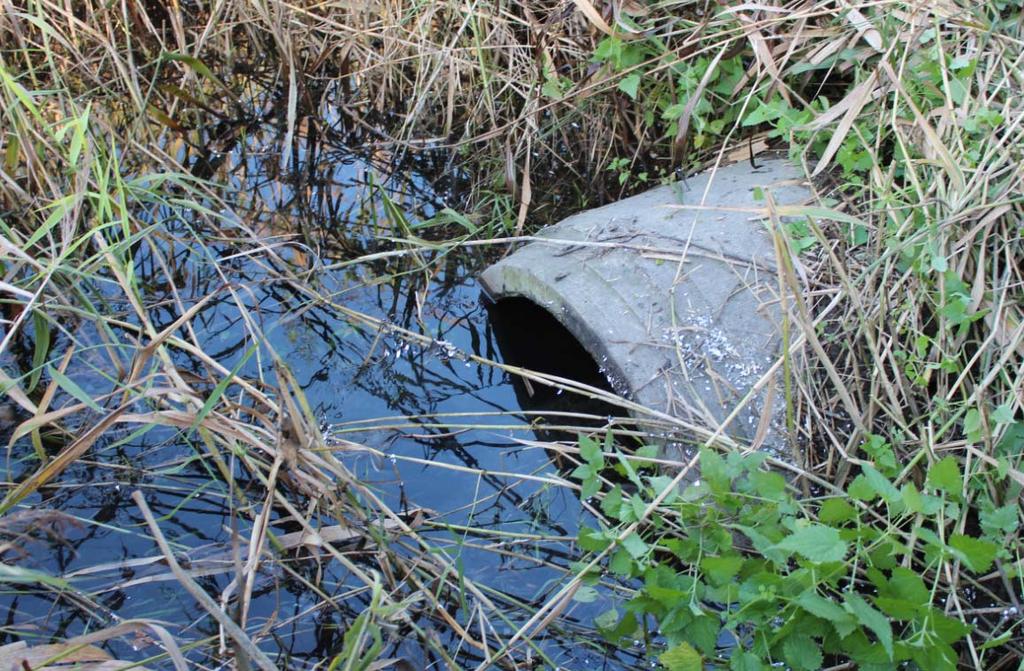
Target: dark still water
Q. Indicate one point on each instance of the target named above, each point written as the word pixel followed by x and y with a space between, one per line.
pixel 425 429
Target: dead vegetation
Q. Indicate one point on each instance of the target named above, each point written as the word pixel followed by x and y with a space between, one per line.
pixel 116 211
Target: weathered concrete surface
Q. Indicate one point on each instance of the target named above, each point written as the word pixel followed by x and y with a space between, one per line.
pixel 678 304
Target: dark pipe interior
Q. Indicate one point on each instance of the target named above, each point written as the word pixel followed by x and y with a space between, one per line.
pixel 530 337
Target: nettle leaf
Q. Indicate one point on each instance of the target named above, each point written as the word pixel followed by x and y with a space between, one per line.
pixel 682 657
pixel 763 112
pixel 582 472
pixel 936 656
pixel 745 661
pixel 607 620
pixel 802 652
pixel 1003 414
pixel 621 563
pixel 949 629
pixel 592 540
pixel 998 521
pixel 897 609
pixel 912 501
pixel 881 484
pixel 816 543
pixel 908 585
pixel 659 483
pixel 861 489
pixel 837 510
pixel 872 619
pixel 713 471
pixel 768 484
pixel 611 504
pixel 977 554
pixel 1012 442
pixel 818 606
pixel 634 545
pixel 590 452
pixel 646 452
pixel 945 476
pixel 974 425
pixel 590 487
pixel 720 570
pixel 703 632
pixel 763 544
pixel 881 451
pixel 629 84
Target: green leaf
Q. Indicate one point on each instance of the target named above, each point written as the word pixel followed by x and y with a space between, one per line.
pixel 629 84
pixel 621 563
pixel 861 489
pixel 703 632
pixel 897 609
pixel 908 585
pixel 836 510
pixel 977 554
pixel 1003 520
pixel 936 656
pixel 1003 414
pixel 582 472
pixel 590 452
pixel 762 113
pixel 911 498
pixel 69 385
pixel 42 348
pixel 634 545
pixel 585 594
pixel 996 642
pixel 590 487
pixel 819 606
pixel 881 484
pixel 802 652
pixel 552 88
pixel 768 484
pixel 973 425
pixel 1012 442
pixel 945 476
pixel 221 387
pixel 682 657
pixel 592 540
pixel 611 504
pixel 816 543
pixel 196 65
pixel 872 619
pixel 948 629
pixel 659 483
pixel 713 471
pixel 607 619
pixel 720 570
pixel 745 661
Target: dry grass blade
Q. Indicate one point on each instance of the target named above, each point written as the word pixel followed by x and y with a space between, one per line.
pixel 81 652
pixel 254 654
pixel 851 105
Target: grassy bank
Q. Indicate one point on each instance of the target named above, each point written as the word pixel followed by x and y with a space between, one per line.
pixel 892 542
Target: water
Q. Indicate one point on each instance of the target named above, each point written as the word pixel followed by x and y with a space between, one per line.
pixel 432 430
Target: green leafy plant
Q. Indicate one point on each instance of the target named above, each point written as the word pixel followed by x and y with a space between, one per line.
pixel 736 570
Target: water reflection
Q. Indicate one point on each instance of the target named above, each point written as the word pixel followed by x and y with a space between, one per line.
pixel 441 434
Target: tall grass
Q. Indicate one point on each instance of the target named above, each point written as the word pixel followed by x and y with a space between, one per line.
pixel 904 279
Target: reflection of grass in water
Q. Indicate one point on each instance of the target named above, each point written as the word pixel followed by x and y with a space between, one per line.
pixel 110 237
pixel 905 329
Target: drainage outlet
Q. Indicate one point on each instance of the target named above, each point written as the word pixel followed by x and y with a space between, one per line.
pixel 674 293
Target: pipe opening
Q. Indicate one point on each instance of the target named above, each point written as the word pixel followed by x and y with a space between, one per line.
pixel 529 336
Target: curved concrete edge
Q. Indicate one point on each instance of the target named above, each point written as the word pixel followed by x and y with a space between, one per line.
pixel 672 293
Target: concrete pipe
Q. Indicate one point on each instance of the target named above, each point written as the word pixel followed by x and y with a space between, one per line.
pixel 674 293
